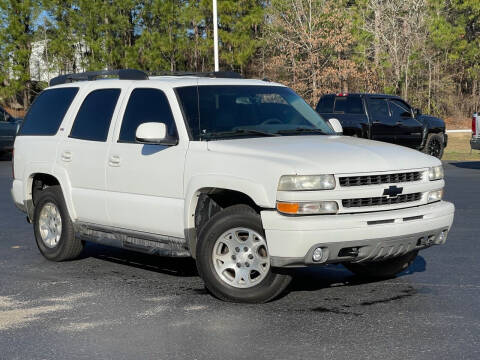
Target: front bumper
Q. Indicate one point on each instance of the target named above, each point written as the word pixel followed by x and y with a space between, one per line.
pixel 475 143
pixel 376 235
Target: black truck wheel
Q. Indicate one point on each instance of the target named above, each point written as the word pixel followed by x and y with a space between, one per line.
pixel 434 145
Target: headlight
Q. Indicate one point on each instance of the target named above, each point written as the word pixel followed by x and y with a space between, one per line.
pixel 435 173
pixel 435 195
pixel 306 182
pixel 307 208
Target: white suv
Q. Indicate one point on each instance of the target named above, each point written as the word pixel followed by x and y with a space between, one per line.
pixel 240 174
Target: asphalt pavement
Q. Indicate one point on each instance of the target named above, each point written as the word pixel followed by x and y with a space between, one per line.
pixel 113 304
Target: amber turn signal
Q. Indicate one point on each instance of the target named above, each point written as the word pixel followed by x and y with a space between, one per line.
pixel 288 208
pixel 307 208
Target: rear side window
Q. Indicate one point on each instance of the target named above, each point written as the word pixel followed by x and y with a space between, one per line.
pixel 95 114
pixel 47 112
pixel 146 105
pixel 325 105
pixel 348 105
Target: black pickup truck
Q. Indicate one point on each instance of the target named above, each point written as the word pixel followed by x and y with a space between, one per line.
pixel 9 126
pixel 385 118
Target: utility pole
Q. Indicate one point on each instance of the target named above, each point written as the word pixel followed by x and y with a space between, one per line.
pixel 215 34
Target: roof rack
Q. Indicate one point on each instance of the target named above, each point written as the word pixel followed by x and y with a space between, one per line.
pixel 211 74
pixel 123 74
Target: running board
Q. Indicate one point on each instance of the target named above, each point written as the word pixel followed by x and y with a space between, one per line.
pixel 132 240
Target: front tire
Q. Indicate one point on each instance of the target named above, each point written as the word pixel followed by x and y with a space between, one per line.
pixel 233 260
pixel 434 145
pixel 382 269
pixel 53 227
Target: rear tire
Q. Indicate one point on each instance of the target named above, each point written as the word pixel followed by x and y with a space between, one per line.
pixel 382 269
pixel 231 246
pixel 53 227
pixel 434 145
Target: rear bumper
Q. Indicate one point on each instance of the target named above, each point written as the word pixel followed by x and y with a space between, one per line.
pixel 17 195
pixel 475 143
pixel 378 235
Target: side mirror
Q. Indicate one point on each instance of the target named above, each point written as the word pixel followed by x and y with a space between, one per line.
pixel 152 133
pixel 417 112
pixel 335 125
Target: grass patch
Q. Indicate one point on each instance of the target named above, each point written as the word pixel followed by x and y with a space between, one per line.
pixel 459 148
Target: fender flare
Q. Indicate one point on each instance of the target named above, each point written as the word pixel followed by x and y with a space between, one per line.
pixel 56 172
pixel 204 183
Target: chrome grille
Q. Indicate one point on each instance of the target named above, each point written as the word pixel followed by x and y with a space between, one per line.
pixel 381 200
pixel 380 179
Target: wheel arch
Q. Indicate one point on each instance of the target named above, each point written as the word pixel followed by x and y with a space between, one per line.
pixel 40 179
pixel 223 194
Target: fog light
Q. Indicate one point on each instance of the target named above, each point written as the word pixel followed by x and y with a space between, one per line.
pixel 442 237
pixel 317 254
pixel 435 195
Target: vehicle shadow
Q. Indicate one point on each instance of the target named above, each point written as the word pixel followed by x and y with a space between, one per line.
pixel 304 279
pixel 181 267
pixel 317 278
pixel 475 165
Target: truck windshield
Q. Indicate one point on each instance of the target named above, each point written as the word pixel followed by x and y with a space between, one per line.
pixel 227 111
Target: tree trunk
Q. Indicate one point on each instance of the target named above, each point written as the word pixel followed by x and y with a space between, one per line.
pixel 429 86
pixel 378 15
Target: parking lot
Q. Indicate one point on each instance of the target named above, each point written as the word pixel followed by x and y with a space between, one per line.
pixel 112 304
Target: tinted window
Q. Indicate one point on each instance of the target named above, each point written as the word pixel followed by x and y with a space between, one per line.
pixel 349 105
pixel 2 115
pixel 378 108
pixel 146 105
pixel 213 110
pixel 47 112
pixel 399 108
pixel 188 97
pixel 95 114
pixel 325 105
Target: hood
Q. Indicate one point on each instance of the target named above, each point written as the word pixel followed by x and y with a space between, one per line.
pixel 321 154
pixel 432 122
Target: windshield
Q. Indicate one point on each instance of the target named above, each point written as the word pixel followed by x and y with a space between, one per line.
pixel 214 112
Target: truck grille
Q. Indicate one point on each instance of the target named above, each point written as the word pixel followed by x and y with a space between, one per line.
pixel 381 200
pixel 380 179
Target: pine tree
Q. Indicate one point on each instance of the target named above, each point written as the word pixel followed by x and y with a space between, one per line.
pixel 16 34
pixel 240 25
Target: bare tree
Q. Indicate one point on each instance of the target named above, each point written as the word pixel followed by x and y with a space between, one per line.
pixel 310 45
pixel 398 29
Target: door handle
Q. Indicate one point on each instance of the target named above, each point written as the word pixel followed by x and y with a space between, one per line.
pixel 67 156
pixel 114 161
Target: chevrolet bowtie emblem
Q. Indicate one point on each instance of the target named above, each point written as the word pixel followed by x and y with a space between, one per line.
pixel 392 191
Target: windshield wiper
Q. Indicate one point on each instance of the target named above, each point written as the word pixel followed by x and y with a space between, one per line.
pixel 237 132
pixel 302 130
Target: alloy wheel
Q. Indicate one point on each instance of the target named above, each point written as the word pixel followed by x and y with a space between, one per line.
pixel 240 257
pixel 50 225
